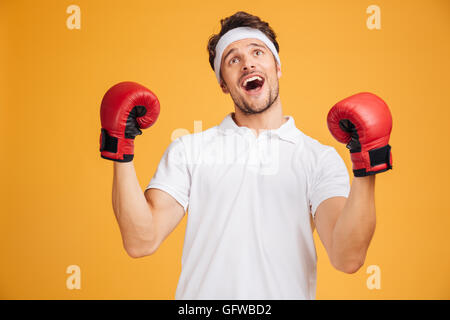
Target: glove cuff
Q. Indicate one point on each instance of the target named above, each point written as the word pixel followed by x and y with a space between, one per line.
pixel 366 163
pixel 116 149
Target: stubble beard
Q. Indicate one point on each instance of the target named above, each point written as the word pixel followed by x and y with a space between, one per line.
pixel 247 109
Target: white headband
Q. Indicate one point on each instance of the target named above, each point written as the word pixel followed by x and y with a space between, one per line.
pixel 239 34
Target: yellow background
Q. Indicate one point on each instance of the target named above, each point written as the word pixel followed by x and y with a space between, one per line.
pixel 56 206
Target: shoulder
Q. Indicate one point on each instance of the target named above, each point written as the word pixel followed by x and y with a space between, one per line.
pixel 314 150
pixel 195 145
pixel 202 137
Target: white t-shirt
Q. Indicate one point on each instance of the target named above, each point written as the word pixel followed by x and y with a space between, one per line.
pixel 249 202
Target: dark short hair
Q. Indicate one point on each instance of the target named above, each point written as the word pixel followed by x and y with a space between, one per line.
pixel 240 19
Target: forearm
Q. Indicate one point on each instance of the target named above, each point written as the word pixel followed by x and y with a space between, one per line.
pixel 355 226
pixel 132 211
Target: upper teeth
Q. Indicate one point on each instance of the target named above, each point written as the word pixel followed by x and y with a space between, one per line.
pixel 251 79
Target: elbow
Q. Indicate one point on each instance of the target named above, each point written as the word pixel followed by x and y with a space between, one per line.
pixel 134 253
pixel 140 252
pixel 350 266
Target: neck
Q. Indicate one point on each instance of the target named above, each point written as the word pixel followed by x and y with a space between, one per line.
pixel 272 118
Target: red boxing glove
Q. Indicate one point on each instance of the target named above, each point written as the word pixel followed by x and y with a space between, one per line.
pixel 364 122
pixel 126 108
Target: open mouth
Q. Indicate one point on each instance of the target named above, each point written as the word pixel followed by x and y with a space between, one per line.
pixel 253 84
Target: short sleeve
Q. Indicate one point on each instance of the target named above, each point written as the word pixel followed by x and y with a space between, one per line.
pixel 330 179
pixel 172 174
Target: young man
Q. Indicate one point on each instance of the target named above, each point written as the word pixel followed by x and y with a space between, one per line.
pixel 253 184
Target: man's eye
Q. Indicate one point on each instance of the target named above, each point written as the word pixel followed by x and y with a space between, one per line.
pixel 234 59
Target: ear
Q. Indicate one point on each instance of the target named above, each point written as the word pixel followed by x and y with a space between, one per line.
pixel 224 87
pixel 278 71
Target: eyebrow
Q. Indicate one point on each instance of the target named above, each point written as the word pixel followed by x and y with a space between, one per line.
pixel 234 49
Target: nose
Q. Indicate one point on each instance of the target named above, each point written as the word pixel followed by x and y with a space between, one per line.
pixel 246 68
pixel 248 64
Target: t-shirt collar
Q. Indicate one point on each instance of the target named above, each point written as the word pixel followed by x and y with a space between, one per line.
pixel 287 131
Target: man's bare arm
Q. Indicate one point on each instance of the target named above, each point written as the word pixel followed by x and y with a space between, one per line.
pixel 346 226
pixel 145 220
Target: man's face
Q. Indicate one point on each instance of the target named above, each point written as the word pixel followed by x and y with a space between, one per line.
pixel 246 59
